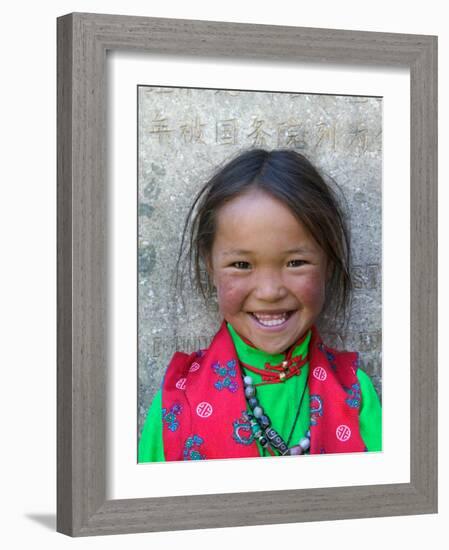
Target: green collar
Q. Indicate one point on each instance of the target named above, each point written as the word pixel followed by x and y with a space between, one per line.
pixel 257 358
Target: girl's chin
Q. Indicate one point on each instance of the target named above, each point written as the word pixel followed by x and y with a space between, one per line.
pixel 273 346
pixel 274 350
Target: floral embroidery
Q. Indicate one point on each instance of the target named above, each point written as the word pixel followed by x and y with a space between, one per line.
pixel 190 448
pixel 226 373
pixel 354 396
pixel 170 416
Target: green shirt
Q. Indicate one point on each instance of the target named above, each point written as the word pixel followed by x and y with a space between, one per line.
pixel 281 402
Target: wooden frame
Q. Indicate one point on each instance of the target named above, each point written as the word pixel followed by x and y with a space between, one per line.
pixel 83 40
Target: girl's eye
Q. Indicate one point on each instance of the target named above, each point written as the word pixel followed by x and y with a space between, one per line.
pixel 241 265
pixel 296 263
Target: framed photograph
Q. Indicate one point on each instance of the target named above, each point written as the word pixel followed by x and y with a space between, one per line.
pixel 205 127
pixel 148 108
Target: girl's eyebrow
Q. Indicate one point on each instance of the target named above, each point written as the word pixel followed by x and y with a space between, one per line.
pixel 241 252
pixel 299 250
pixel 236 252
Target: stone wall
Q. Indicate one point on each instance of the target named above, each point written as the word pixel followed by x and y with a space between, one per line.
pixel 183 135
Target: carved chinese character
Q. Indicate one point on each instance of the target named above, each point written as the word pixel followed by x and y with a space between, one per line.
pixel 226 132
pixel 358 139
pixel 372 275
pixel 357 277
pixel 193 132
pixel 258 135
pixel 292 135
pixel 326 135
pixel 366 276
pixel 160 128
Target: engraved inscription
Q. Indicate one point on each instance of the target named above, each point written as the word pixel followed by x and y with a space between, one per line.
pixel 192 132
pixel 259 135
pixel 325 135
pixel 292 135
pixel 226 132
pixel 358 139
pixel 366 341
pixel 167 345
pixel 366 276
pixel 369 341
pixel 160 128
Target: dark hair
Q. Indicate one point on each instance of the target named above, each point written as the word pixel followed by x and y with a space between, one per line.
pixel 289 177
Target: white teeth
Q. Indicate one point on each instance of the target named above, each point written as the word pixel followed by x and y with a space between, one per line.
pixel 271 320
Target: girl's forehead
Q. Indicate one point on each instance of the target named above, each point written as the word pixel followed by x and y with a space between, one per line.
pixel 254 203
pixel 254 207
pixel 258 221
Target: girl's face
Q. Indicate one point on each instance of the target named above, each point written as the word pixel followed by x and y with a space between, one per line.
pixel 269 272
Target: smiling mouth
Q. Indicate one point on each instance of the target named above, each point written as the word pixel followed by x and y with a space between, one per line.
pixel 272 319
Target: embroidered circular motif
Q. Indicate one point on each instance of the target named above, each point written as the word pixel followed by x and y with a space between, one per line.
pixel 194 366
pixel 181 384
pixel 204 409
pixel 343 433
pixel 320 374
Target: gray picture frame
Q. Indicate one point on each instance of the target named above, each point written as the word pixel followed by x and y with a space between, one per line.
pixel 83 41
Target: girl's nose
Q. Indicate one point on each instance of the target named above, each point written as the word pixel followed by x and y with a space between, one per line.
pixel 269 287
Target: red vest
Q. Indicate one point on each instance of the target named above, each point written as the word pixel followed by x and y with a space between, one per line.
pixel 200 421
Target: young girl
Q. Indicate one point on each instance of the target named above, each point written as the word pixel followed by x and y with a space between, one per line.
pixel 274 243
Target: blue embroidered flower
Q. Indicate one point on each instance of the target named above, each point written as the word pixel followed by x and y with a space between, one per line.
pixel 170 417
pixel 195 455
pixel 226 373
pixel 190 452
pixel 354 396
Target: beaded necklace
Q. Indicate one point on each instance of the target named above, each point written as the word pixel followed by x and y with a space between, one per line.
pixel 261 427
pixel 260 422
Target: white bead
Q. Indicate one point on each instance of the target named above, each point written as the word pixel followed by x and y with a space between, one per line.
pixel 250 391
pixel 248 381
pixel 304 443
pixel 258 412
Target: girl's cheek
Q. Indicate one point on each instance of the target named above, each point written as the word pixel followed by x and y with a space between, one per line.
pixel 230 295
pixel 313 290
